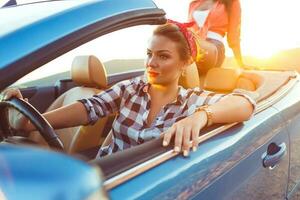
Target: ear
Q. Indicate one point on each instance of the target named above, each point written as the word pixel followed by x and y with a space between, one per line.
pixel 184 67
pixel 190 61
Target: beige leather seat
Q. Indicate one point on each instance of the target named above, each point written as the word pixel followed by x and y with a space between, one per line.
pixel 260 85
pixel 191 78
pixel 90 74
pixel 225 80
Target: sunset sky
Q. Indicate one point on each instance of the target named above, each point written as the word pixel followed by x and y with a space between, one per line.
pixel 268 26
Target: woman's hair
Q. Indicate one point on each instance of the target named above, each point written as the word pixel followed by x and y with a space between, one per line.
pixel 227 4
pixel 172 32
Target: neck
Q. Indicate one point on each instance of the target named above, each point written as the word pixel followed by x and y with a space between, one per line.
pixel 168 90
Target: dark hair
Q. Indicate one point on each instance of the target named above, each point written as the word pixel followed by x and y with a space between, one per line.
pixel 173 33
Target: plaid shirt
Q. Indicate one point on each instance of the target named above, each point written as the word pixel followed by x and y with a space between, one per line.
pixel 131 100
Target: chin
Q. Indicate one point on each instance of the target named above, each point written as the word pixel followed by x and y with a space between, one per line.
pixel 152 80
pixel 161 80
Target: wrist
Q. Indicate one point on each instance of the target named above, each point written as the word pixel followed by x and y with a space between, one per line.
pixel 27 126
pixel 207 113
pixel 201 117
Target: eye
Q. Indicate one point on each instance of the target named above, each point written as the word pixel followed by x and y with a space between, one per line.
pixel 149 54
pixel 164 57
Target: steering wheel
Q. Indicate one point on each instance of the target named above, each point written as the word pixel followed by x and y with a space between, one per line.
pixel 35 117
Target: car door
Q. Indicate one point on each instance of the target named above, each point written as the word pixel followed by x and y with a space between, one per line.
pixel 228 166
pixel 289 106
pixel 253 176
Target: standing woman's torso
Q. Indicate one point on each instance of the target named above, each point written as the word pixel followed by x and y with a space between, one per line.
pixel 206 5
pixel 209 15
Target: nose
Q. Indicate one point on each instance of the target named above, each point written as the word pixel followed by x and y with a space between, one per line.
pixel 151 62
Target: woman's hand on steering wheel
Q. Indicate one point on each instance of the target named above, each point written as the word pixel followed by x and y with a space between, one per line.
pixel 13 100
pixel 16 119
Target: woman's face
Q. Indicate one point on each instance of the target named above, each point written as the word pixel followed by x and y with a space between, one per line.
pixel 163 64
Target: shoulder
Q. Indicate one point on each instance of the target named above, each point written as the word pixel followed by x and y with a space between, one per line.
pixel 134 82
pixel 194 91
pixel 131 85
pixel 190 93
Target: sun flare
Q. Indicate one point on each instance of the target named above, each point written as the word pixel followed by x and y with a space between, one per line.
pixel 268 26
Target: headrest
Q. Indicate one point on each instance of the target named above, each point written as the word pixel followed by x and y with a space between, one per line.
pixel 89 71
pixel 191 78
pixel 225 80
pixel 222 80
pixel 246 84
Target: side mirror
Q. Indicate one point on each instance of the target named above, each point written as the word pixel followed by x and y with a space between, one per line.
pixel 47 175
pixel 100 193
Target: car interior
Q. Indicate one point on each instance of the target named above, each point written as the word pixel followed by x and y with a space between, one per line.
pixel 89 77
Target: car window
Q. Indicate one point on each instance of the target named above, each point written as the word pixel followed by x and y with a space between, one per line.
pixel 129 43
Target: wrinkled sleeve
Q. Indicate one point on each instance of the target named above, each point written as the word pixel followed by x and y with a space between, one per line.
pixel 209 98
pixel 105 103
pixel 234 27
pixel 250 96
pixel 246 96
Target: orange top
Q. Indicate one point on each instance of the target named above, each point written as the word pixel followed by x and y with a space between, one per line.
pixel 219 22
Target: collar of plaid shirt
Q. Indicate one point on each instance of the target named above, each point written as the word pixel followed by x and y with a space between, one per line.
pixel 180 96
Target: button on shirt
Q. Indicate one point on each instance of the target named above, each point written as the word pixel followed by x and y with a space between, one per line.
pixel 130 100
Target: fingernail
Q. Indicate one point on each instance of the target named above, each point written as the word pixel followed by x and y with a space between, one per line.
pixel 194 148
pixel 176 149
pixel 165 143
pixel 185 153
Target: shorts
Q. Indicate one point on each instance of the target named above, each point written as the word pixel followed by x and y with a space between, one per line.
pixel 216 59
pixel 220 49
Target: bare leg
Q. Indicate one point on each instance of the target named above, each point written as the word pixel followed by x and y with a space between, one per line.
pixel 208 60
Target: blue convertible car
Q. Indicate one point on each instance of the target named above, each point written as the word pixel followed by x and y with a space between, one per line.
pixel 256 159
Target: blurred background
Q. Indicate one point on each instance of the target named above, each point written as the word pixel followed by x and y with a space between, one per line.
pixel 270 34
pixel 270 38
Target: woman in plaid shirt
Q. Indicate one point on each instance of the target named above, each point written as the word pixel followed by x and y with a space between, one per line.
pixel 155 105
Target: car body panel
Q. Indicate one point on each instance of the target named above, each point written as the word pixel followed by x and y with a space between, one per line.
pixel 227 166
pixel 31 173
pixel 199 174
pixel 289 106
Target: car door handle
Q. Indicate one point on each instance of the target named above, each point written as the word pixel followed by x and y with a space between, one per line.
pixel 273 155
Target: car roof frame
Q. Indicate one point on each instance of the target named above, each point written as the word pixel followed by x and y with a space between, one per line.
pixel 39 57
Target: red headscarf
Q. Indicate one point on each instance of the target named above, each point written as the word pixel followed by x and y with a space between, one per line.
pixel 190 38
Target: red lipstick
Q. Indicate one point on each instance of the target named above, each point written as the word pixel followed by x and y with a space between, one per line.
pixel 153 74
